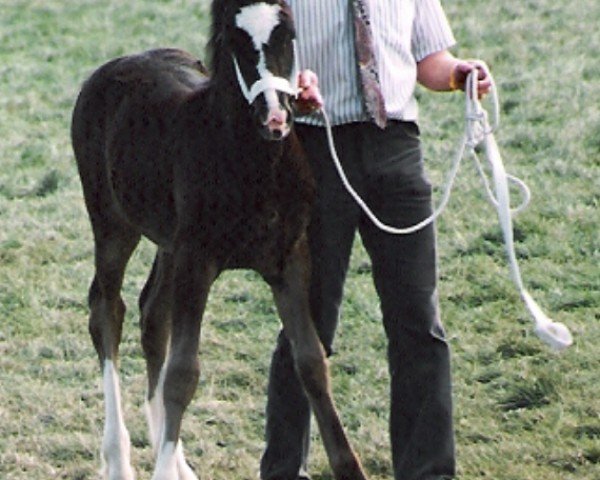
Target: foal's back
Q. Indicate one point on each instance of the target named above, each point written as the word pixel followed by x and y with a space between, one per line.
pixel 122 125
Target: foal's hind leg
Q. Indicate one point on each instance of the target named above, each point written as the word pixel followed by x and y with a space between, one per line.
pixel 107 310
pixel 291 297
pixel 156 309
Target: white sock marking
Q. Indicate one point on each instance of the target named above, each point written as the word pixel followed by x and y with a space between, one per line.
pixel 185 472
pixel 166 464
pixel 155 412
pixel 115 443
pixel 171 464
pixel 166 457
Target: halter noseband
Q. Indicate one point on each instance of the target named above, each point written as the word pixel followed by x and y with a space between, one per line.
pixel 281 84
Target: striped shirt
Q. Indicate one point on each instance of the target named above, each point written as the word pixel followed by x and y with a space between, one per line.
pixel 404 32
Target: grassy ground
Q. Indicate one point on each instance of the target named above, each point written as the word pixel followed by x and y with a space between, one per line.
pixel 522 412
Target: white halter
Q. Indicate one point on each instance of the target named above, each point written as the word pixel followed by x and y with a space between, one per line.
pixel 272 82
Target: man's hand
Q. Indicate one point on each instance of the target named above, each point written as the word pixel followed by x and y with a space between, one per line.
pixel 309 99
pixel 441 71
pixel 462 69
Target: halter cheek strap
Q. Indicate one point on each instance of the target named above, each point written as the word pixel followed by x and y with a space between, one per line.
pixel 271 82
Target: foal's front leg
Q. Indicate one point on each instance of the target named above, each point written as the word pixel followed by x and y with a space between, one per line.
pixel 156 308
pixel 291 297
pixel 191 283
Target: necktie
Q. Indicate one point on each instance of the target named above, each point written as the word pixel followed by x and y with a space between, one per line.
pixel 367 65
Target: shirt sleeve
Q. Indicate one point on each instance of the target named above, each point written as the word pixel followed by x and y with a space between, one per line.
pixel 431 29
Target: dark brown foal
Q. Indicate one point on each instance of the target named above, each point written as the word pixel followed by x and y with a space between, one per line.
pixel 209 169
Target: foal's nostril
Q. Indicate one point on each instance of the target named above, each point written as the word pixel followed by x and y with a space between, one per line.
pixel 277 134
pixel 276 118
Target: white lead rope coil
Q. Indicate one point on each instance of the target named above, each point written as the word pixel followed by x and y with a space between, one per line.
pixel 477 131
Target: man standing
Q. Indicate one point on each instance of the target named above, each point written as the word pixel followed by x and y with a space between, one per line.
pixel 369 56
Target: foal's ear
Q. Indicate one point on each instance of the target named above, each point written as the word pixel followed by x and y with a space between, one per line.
pixel 222 17
pixel 217 9
pixel 222 12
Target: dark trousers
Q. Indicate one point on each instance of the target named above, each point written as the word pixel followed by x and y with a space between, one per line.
pixel 386 168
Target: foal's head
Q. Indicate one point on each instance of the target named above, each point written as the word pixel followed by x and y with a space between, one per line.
pixel 256 37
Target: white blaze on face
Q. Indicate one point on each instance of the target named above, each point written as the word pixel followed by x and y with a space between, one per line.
pixel 259 21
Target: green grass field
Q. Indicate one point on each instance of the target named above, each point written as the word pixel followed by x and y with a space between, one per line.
pixel 522 412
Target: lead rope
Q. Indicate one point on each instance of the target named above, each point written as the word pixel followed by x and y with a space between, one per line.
pixel 477 131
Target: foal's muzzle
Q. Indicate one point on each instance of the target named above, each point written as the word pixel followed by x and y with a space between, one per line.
pixel 273 115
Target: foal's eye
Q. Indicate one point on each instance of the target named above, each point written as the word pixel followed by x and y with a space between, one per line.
pixel 280 50
pixel 281 37
pixel 244 49
pixel 243 43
